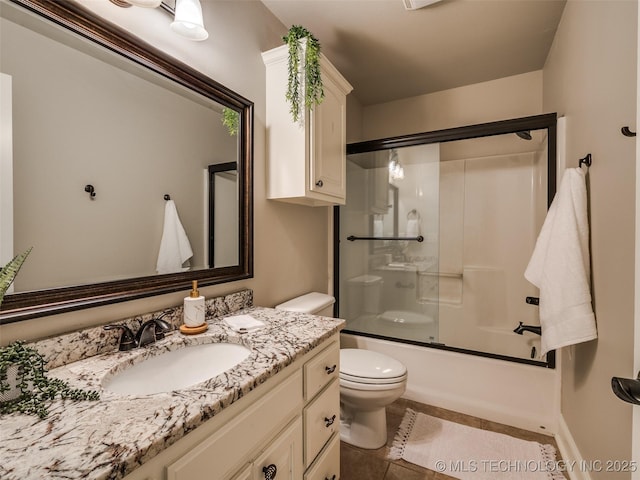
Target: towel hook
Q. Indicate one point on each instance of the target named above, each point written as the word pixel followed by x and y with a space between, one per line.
pixel 627 133
pixel 91 191
pixel 167 196
pixel 585 161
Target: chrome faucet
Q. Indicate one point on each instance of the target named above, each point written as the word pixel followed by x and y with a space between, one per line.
pixel 149 332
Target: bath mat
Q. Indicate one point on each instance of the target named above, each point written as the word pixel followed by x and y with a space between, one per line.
pixel 469 453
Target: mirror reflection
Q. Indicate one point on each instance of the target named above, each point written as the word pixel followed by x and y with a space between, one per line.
pixel 435 238
pixel 111 165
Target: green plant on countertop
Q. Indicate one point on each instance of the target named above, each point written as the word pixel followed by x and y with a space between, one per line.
pixel 311 79
pixel 231 120
pixel 35 389
pixel 9 271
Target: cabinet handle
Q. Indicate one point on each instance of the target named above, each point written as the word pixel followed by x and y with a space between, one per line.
pixel 319 183
pixel 332 478
pixel 269 472
pixel 330 370
pixel 329 421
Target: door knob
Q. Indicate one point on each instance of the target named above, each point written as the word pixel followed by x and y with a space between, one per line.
pixel 627 389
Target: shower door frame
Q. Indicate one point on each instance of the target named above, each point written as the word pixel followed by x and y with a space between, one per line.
pixel 536 122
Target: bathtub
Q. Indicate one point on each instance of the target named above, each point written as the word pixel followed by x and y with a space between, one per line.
pixel 520 395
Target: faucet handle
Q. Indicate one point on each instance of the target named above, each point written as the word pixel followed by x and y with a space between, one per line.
pixel 127 339
pixel 162 327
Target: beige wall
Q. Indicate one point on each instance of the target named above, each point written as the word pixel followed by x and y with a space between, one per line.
pixel 502 99
pixel 591 79
pixel 291 242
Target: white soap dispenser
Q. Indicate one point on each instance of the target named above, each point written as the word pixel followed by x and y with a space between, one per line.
pixel 194 308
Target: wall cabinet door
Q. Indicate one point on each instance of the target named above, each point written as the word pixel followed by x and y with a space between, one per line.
pixel 328 156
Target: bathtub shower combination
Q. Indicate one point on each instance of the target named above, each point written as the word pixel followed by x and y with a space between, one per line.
pixel 437 231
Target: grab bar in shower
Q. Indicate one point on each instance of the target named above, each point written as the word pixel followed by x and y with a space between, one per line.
pixel 441 274
pixel 353 238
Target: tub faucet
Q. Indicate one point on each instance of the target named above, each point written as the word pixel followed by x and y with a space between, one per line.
pixel 528 328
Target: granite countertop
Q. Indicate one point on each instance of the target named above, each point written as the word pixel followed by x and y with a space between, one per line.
pixel 110 438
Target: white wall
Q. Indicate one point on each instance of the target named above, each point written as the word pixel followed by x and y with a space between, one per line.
pixel 591 79
pixel 291 242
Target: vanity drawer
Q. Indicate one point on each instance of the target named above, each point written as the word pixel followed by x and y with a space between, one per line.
pixel 321 421
pixel 237 440
pixel 321 369
pixel 327 465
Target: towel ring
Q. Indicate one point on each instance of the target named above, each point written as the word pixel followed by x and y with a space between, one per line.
pixel 167 196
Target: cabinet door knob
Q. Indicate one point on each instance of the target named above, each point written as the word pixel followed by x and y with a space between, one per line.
pixel 329 421
pixel 270 472
pixel 332 478
pixel 330 370
pixel 319 183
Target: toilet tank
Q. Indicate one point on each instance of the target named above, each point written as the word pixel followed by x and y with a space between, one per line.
pixel 315 303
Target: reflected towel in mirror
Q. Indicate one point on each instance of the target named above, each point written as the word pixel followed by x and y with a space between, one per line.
pixel 175 248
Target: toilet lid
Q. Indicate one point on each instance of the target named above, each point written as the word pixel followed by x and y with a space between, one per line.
pixel 365 366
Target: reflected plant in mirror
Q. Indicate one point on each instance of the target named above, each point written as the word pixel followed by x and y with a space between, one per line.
pixel 89 113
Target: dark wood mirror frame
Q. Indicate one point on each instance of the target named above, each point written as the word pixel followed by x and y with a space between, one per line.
pixel 26 305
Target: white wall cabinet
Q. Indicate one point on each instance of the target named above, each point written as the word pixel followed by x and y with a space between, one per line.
pixel 288 425
pixel 306 161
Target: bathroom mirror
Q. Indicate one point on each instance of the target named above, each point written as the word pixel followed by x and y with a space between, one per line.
pixel 437 232
pixel 106 131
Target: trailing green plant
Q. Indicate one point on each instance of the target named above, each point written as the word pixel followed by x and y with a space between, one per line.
pixel 231 120
pixel 10 270
pixel 312 80
pixel 36 390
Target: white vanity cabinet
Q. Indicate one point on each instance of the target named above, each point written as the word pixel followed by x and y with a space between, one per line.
pixel 288 425
pixel 306 161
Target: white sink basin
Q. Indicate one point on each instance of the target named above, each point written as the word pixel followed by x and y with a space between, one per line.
pixel 177 369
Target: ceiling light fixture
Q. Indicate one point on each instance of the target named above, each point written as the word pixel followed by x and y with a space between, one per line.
pixel 187 21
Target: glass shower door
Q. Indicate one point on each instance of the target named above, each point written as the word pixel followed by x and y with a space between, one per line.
pixel 389 244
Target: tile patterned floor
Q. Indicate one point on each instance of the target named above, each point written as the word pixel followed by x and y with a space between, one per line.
pixel 360 464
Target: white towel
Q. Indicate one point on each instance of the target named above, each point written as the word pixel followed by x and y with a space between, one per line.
pixel 560 265
pixel 413 228
pixel 244 323
pixel 378 228
pixel 175 248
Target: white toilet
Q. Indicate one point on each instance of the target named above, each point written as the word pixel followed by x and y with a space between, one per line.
pixel 369 381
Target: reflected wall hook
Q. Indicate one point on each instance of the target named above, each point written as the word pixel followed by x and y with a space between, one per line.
pixel 585 161
pixel 627 133
pixel 167 196
pixel 91 191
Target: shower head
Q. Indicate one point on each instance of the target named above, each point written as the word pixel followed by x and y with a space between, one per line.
pixel 525 135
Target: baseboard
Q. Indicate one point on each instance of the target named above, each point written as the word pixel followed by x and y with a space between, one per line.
pixel 577 468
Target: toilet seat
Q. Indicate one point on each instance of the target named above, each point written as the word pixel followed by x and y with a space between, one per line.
pixel 370 368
